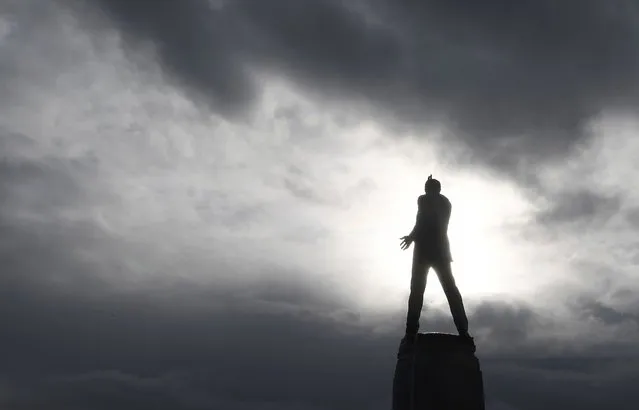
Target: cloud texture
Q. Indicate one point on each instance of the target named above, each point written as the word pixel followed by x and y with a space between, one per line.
pixel 200 200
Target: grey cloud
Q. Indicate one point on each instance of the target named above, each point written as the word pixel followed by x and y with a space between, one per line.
pixel 632 216
pixel 505 322
pixel 297 189
pixel 43 185
pixel 563 382
pixel 46 189
pixel 609 314
pixel 511 80
pixel 105 390
pixel 580 206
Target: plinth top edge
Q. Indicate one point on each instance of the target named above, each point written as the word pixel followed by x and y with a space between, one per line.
pixel 440 342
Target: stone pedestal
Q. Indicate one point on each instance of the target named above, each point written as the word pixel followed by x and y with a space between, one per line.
pixel 437 371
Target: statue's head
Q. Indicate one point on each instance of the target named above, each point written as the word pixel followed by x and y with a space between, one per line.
pixel 432 186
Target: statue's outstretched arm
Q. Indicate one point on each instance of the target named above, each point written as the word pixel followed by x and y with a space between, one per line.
pixel 407 240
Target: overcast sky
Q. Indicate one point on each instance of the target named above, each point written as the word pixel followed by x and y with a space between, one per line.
pixel 200 201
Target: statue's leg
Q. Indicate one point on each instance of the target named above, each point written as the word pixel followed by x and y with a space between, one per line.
pixel 445 275
pixel 417 287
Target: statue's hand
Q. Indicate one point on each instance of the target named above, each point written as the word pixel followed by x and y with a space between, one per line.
pixel 406 242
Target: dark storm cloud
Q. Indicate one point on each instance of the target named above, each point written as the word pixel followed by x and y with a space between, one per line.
pixel 530 72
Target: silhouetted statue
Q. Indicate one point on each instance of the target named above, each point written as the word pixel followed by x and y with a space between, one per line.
pixel 432 250
pixel 435 371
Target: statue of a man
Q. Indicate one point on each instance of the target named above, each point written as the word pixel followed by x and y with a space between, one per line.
pixel 432 249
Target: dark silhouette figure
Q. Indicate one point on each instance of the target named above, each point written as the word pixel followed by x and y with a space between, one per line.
pixel 432 250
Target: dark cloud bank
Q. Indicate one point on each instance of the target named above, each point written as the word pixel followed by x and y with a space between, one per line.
pixel 492 71
pixel 509 78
